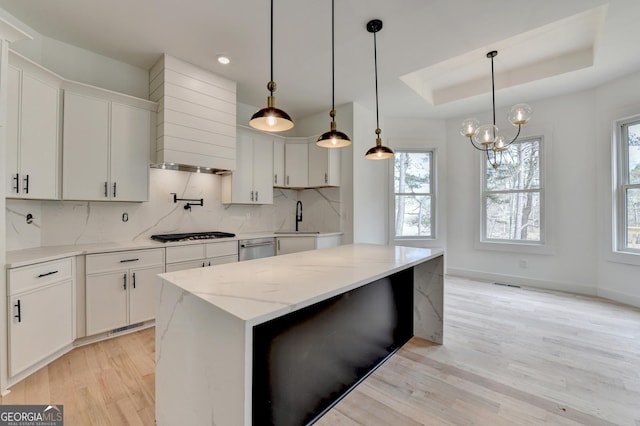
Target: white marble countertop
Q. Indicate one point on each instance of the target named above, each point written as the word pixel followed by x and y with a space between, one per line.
pixel 262 289
pixel 18 258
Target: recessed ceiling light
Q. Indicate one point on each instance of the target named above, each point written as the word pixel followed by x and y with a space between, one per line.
pixel 224 60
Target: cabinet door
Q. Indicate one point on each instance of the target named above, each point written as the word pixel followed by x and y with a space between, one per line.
pixel 45 325
pixel 106 301
pixel 13 124
pixel 324 166
pixel 287 245
pixel 296 157
pixel 130 139
pixel 142 293
pixel 85 148
pixel 262 169
pixel 242 178
pixel 39 139
pixel 278 163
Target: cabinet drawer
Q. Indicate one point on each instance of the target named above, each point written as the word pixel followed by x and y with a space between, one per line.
pixel 40 274
pixel 185 253
pixel 221 260
pixel 124 260
pixel 226 248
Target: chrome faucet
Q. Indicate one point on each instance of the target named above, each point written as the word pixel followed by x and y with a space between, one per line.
pixel 298 213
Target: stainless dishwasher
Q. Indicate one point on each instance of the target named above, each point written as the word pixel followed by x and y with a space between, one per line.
pixel 255 248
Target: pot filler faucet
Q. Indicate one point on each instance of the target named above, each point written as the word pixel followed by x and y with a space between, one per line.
pixel 298 213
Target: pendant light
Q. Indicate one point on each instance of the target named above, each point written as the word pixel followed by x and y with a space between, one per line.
pixel 333 138
pixel 378 152
pixel 271 119
pixel 488 137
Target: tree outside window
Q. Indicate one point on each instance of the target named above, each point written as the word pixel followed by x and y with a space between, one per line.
pixel 629 188
pixel 414 194
pixel 512 195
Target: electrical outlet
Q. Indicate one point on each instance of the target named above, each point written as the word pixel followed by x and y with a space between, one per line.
pixel 523 264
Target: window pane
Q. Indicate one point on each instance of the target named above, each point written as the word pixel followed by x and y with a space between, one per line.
pixel 520 168
pixel 633 142
pixel 633 218
pixel 514 216
pixel 412 172
pixel 413 216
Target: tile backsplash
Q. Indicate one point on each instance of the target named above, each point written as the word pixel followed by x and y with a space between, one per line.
pixel 80 222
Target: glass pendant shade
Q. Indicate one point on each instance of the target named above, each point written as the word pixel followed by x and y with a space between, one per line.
pixel 486 134
pixel 520 114
pixel 469 127
pixel 499 144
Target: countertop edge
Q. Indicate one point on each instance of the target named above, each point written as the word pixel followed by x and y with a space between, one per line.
pixel 26 257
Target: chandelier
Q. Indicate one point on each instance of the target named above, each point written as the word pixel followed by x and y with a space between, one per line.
pixel 488 138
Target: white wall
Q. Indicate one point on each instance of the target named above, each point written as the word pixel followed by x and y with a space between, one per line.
pixel 84 66
pixel 422 133
pixel 567 125
pixel 618 275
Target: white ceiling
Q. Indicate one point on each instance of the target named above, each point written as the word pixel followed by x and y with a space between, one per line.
pixel 424 37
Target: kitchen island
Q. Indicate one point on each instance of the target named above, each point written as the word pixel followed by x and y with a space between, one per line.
pixel 278 340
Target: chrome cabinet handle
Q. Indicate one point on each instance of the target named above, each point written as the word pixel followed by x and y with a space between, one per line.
pixel 46 274
pixel 19 316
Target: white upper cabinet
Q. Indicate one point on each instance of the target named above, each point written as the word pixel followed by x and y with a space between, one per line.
pixel 278 163
pixel 33 148
pixel 251 182
pixel 130 136
pixel 105 146
pixel 324 166
pixel 296 164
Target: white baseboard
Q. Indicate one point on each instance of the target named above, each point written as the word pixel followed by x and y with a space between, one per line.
pixel 525 281
pixel 618 296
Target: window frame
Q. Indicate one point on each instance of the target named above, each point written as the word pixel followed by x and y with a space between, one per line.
pixel 622 185
pixel 432 194
pixel 507 244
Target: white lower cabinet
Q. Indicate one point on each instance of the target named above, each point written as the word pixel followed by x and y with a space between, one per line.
pixel 120 288
pixel 41 312
pixel 285 245
pixel 293 244
pixel 200 255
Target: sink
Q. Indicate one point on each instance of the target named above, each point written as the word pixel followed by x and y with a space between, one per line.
pixel 297 232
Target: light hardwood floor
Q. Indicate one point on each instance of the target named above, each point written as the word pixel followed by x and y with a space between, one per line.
pixel 511 357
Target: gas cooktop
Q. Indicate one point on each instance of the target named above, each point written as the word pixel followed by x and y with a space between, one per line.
pixel 165 238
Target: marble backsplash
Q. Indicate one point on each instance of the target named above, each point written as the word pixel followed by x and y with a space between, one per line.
pixel 80 222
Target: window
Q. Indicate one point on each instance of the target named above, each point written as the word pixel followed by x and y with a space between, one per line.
pixel 512 195
pixel 629 187
pixel 414 196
